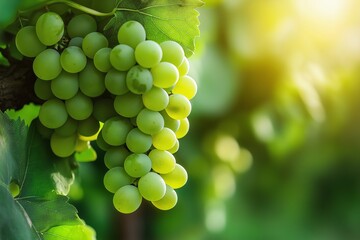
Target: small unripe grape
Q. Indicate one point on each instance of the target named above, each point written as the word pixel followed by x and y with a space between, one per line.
pixel 176 178
pixel 165 75
pixel 152 187
pixel 165 139
pixel 186 86
pixel 127 199
pixel 93 42
pixel 73 59
pixel 172 52
pixel 162 161
pixel 168 201
pixel 128 105
pixel 115 156
pixel 65 86
pixel 88 127
pixel 47 64
pixel 28 43
pixel 79 107
pixel 179 107
pixel 138 142
pixel 122 57
pixel 131 33
pixel 42 89
pixel 81 25
pixel 50 28
pixel 115 131
pixel 148 53
pixel 156 99
pixel 53 113
pixel 102 60
pixel 137 164
pixel 91 81
pixel 63 146
pixel 183 129
pixel 139 80
pixel 115 82
pixel 149 122
pixel 116 178
pixel 68 128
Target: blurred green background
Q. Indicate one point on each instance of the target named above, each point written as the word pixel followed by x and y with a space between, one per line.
pixel 273 149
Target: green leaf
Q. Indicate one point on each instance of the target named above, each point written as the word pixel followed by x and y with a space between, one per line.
pixel 163 20
pixel 8 11
pixel 68 232
pixel 87 155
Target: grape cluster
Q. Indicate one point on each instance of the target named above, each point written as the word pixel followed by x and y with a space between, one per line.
pixel 133 98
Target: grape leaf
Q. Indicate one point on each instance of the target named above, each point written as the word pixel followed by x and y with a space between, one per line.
pixel 26 159
pixel 163 20
pixel 8 11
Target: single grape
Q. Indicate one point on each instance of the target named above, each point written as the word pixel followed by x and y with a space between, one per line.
pixel 127 199
pixel 116 178
pixel 148 53
pixel 165 139
pixel 115 156
pixel 172 52
pixel 137 164
pixel 137 141
pixel 115 131
pixel 152 187
pixel 47 65
pixel 65 86
pixel 79 107
pixel 42 89
pixel 122 57
pixel 53 113
pixel 162 161
pixel 184 67
pixel 100 142
pixel 73 59
pixel 102 60
pixel 186 86
pixel 104 109
pixel 63 146
pixel 149 122
pixel 28 43
pixel 156 99
pixel 88 127
pixel 93 42
pixel 164 75
pixel 169 122
pixel 76 41
pixel 81 25
pixel 168 201
pixel 128 105
pixel 68 128
pixel 131 33
pixel 176 178
pixel 175 148
pixel 91 81
pixel 179 107
pixel 115 82
pixel 183 129
pixel 49 28
pixel 139 80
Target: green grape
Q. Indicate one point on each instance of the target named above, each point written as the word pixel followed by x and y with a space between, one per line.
pixel 149 122
pixel 73 59
pixel 42 130
pixel 162 161
pixel 131 33
pixel 165 139
pixel 127 199
pixel 81 25
pixel 79 107
pixel 128 105
pixel 91 81
pixel 104 109
pixel 175 148
pixel 63 146
pixel 115 82
pixel 148 53
pixel 122 57
pixel 152 187
pixel 100 142
pixel 76 41
pixel 176 178
pixel 172 52
pixel 169 122
pixel 115 156
pixel 179 107
pixel 68 128
pixel 183 129
pixel 42 89
pixel 65 86
pixel 116 178
pixel 115 131
pixel 88 127
pixel 47 65
pixel 49 28
pixel 155 99
pixel 28 43
pixel 102 60
pixel 139 80
pixel 137 141
pixel 164 75
pixel 184 67
pixel 93 42
pixel 168 201
pixel 137 164
pixel 186 86
pixel 53 113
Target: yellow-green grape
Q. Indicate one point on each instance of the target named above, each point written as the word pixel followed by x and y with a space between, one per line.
pixel 179 107
pixel 131 33
pixel 156 99
pixel 91 81
pixel 28 43
pixel 183 129
pixel 162 161
pixel 172 52
pixel 42 89
pixel 81 25
pixel 47 65
pixel 165 139
pixel 88 127
pixel 79 107
pixel 169 122
pixel 177 178
pixel 127 199
pixel 164 75
pixel 50 28
pixel 68 128
pixel 168 201
pixel 148 53
pixel 115 130
pixel 122 57
pixel 63 146
pixel 184 67
pixel 93 42
pixel 152 187
pixel 175 148
pixel 115 156
pixel 186 86
pixel 137 141
pixel 139 80
pixel 128 105
pixel 149 122
pixel 76 41
pixel 53 113
pixel 137 164
pixel 116 178
pixel 73 59
pixel 102 60
pixel 65 86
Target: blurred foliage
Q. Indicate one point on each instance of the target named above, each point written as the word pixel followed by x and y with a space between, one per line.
pixel 273 148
